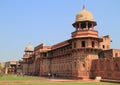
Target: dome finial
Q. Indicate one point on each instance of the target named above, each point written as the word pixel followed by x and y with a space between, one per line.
pixel 83 6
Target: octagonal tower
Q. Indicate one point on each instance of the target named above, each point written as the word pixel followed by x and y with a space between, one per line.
pixel 85 44
pixel 28 58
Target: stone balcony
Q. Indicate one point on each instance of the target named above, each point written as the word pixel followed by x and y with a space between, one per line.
pixel 85 33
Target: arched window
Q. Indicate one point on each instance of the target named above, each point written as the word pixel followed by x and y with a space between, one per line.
pixel 84 65
pixel 83 43
pixel 103 46
pixel 93 44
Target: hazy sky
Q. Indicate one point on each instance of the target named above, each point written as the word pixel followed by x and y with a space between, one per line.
pixel 50 22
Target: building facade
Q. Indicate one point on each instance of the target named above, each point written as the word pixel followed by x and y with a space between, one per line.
pixel 77 57
pixel 11 67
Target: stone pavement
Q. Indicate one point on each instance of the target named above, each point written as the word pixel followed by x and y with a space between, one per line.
pixel 72 80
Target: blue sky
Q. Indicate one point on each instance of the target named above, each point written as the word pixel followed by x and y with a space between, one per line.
pixel 50 22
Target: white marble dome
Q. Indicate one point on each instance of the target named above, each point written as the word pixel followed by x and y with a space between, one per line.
pixel 29 48
pixel 84 15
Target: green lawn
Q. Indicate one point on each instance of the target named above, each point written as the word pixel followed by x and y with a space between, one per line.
pixel 24 80
pixel 15 77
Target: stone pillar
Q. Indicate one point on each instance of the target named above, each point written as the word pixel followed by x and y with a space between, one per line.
pixel 80 26
pixel 87 25
pixel 92 26
pixel 76 27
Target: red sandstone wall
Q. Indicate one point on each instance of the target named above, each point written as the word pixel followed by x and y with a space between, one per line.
pixel 61 67
pixel 31 69
pixel 44 67
pixel 106 68
pixel 25 69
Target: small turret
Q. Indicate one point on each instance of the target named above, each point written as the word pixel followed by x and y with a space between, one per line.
pixel 29 49
pixel 84 20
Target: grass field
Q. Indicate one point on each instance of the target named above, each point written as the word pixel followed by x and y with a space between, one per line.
pixel 24 80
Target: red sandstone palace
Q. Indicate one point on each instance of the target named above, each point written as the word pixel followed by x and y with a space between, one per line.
pixel 85 55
